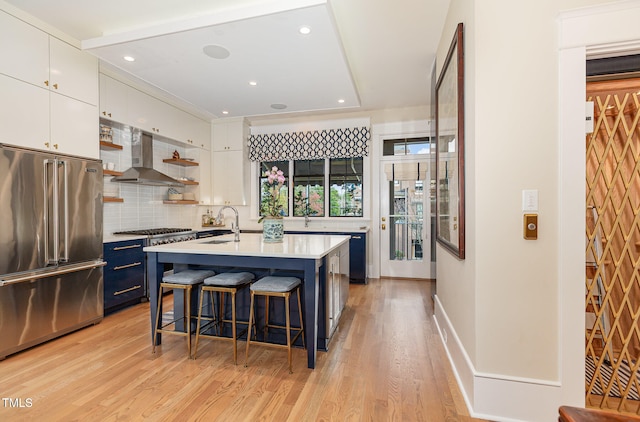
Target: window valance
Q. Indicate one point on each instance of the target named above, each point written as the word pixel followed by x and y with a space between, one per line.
pixel 328 143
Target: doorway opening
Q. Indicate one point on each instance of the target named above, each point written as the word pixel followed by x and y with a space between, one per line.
pixel 612 240
pixel 405 209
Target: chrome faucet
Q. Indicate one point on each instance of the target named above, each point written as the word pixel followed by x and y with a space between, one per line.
pixel 235 229
pixel 306 219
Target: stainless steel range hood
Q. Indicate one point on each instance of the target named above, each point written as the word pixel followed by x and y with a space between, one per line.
pixel 142 171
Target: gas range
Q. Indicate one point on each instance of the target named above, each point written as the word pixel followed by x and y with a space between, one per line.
pixel 161 236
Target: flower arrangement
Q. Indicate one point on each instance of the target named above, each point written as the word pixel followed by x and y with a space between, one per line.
pixel 271 206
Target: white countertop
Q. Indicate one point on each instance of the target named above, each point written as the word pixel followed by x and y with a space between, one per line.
pixel 251 244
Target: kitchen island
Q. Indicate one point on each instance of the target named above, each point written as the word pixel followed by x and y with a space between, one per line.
pixel 306 255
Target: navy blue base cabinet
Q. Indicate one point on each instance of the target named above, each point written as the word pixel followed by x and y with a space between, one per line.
pixel 124 274
pixel 357 254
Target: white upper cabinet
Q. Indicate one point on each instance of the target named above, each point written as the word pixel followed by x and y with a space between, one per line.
pixel 49 91
pixel 229 135
pixel 72 72
pixel 24 50
pixel 32 56
pixel 230 165
pixel 24 114
pixel 113 99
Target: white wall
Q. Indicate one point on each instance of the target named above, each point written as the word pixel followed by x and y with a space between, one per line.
pixel 503 305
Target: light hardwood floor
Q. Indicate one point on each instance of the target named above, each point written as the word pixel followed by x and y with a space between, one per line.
pixel 386 363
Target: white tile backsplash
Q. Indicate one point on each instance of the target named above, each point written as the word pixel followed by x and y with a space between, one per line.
pixel 143 205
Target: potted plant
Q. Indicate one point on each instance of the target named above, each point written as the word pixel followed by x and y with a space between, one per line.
pixel 271 206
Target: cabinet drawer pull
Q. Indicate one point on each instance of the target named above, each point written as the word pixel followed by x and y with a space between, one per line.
pixel 119 248
pixel 130 289
pixel 122 267
pixel 356 237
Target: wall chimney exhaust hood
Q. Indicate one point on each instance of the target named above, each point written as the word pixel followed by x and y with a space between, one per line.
pixel 142 171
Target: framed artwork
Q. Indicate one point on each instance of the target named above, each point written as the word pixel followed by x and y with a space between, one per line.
pixel 450 149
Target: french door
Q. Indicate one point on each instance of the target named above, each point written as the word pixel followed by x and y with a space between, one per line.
pixel 405 219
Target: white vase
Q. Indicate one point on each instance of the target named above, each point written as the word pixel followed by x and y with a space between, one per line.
pixel 272 229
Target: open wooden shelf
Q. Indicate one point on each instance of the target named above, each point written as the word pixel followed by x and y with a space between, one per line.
pixel 181 202
pixel 111 199
pixel 189 182
pixel 180 162
pixel 109 145
pixel 111 173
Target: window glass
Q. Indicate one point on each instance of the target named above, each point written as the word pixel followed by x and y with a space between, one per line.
pixel 345 181
pixel 266 166
pixel 406 146
pixel 308 188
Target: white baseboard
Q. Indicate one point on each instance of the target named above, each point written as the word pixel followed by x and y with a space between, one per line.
pixel 496 397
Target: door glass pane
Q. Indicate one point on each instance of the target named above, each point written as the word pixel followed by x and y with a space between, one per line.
pixel 406 220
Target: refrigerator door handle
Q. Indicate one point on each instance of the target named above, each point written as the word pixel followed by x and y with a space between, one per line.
pixel 51 221
pixel 65 208
pixel 51 273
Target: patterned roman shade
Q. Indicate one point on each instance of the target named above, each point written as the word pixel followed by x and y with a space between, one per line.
pixel 328 143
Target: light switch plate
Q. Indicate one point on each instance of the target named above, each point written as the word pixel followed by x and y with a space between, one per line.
pixel 530 200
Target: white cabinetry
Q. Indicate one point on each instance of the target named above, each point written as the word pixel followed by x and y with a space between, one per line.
pixel 113 99
pixel 50 91
pixel 152 115
pixel 230 165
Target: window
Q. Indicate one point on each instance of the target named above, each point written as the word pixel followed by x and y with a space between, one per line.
pixel 266 166
pixel 308 188
pixel 345 180
pixel 406 146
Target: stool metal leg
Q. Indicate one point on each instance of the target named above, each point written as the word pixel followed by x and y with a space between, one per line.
pixel 233 327
pixel 187 323
pixel 251 316
pixel 288 324
pixel 155 329
pixel 198 325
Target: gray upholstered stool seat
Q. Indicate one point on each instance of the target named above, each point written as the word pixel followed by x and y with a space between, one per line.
pixel 183 280
pixel 277 286
pixel 230 283
pixel 229 279
pixel 188 277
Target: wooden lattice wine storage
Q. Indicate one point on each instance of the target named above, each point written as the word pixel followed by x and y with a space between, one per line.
pixel 612 288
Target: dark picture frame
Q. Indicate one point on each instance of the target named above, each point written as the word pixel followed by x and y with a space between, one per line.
pixel 450 211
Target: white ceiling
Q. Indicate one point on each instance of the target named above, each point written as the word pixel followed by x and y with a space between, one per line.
pixel 373 54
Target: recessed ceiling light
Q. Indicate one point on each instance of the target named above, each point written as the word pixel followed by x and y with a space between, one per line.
pixel 253 83
pixel 278 106
pixel 341 100
pixel 305 30
pixel 225 112
pixel 129 58
pixel 216 51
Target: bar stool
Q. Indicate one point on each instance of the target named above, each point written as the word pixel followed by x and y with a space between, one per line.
pixel 183 280
pixel 222 283
pixel 276 286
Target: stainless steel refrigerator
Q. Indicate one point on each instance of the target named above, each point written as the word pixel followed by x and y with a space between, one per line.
pixel 50 246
